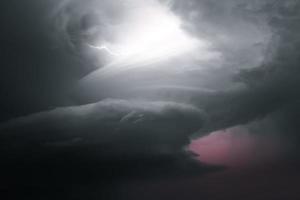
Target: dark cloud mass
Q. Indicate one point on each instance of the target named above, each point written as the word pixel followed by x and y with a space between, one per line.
pixel 122 127
pixel 99 143
pixel 69 122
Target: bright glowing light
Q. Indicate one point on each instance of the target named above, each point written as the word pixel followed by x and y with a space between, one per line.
pixel 148 36
pixel 149 33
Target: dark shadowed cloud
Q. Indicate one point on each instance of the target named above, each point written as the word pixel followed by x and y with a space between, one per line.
pixel 122 127
pixel 99 125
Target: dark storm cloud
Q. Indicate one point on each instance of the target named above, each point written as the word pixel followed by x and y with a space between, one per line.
pixel 35 74
pixel 236 29
pixel 121 126
pixel 270 90
pixel 281 72
pixel 99 143
pixel 256 82
pixel 224 109
pixel 218 20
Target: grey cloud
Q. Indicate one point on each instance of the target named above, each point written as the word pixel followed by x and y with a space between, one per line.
pixel 270 90
pixel 259 37
pixel 123 127
pixel 280 73
pixel 246 27
pixel 236 29
pixel 258 40
pixel 98 143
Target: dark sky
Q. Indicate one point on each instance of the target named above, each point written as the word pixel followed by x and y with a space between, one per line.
pixel 75 126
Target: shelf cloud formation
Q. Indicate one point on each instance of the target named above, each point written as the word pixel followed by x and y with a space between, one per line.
pixel 143 84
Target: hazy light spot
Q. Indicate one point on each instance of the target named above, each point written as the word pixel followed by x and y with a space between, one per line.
pixel 150 33
pixel 236 147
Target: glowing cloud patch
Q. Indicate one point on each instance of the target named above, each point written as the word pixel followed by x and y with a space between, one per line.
pixel 236 147
pixel 149 33
pixel 153 33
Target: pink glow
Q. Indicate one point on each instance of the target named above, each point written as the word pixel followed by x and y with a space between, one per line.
pixel 236 147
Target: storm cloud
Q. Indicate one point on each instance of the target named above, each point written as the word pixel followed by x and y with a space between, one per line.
pixel 122 127
pixel 256 78
pixel 141 118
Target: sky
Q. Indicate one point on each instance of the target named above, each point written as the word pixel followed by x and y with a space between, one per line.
pixel 130 99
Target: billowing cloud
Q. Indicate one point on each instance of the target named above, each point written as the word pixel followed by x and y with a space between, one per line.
pixel 269 102
pixel 99 143
pixel 248 77
pixel 133 127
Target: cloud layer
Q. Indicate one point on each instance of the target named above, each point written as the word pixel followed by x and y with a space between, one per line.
pixel 152 113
